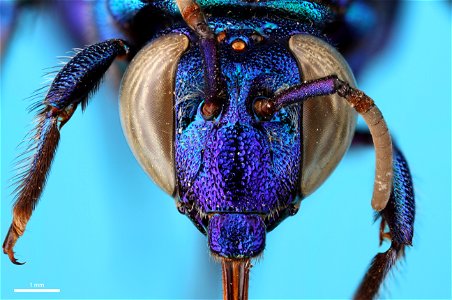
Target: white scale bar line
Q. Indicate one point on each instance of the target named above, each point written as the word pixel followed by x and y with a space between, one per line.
pixel 37 290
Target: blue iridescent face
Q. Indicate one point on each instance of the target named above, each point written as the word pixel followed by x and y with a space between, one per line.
pixel 236 175
pixel 237 163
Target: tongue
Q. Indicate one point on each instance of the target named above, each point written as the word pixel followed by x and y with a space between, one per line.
pixel 236 235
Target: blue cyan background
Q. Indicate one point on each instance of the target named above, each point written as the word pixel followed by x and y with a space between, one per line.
pixel 103 230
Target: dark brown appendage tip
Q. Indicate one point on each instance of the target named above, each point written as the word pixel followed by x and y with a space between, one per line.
pixel 30 186
pixel 235 278
pixel 8 245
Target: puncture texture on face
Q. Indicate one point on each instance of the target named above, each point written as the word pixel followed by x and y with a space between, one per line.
pixel 238 116
pixel 237 163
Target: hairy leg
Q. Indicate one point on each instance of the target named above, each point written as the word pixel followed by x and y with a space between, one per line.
pixel 398 215
pixel 72 86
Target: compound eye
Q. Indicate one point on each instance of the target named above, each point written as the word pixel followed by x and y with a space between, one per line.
pixel 263 108
pixel 146 107
pixel 328 123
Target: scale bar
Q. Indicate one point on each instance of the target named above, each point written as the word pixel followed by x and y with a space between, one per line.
pixel 37 290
